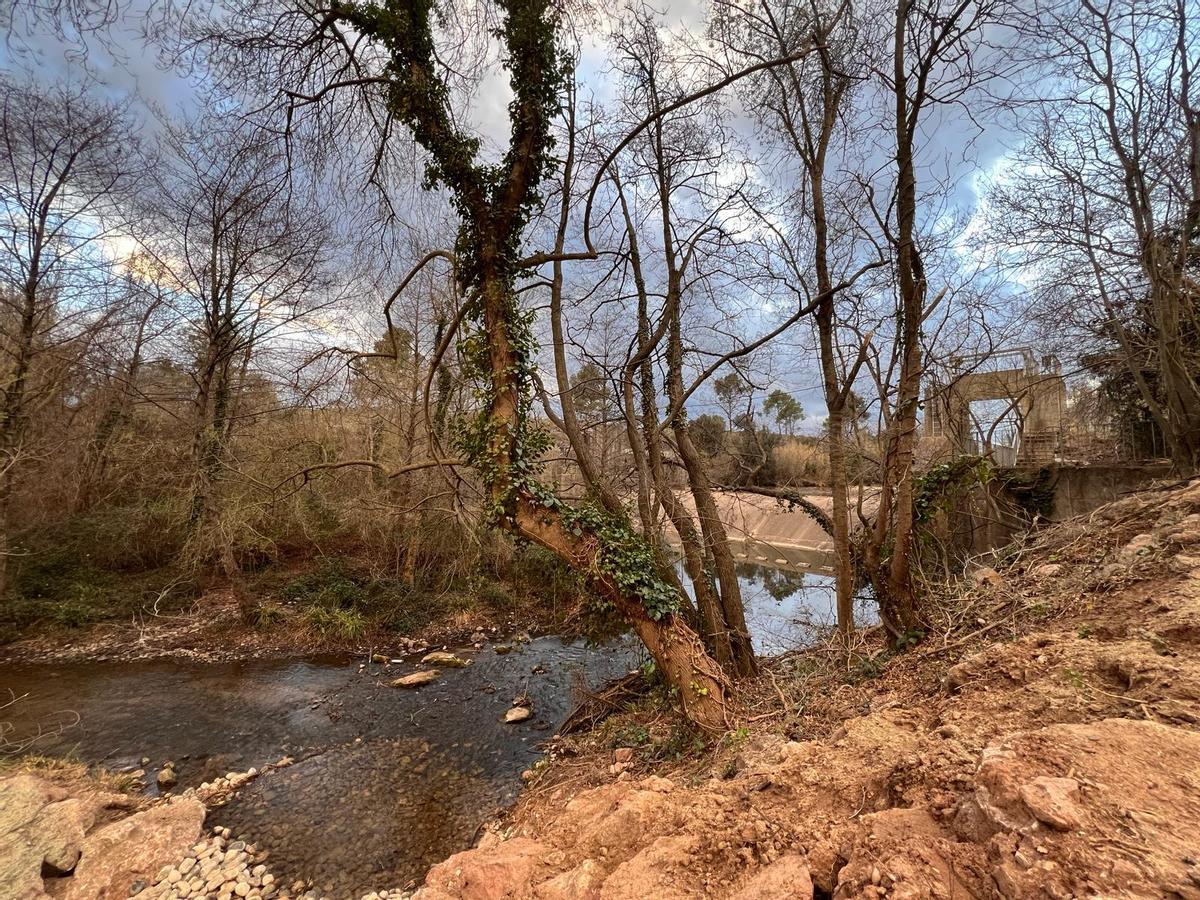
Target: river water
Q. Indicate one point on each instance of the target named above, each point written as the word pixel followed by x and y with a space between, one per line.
pixel 387 781
pixel 788 594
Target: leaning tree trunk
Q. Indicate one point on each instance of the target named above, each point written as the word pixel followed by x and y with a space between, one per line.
pixel 678 651
pixel 538 516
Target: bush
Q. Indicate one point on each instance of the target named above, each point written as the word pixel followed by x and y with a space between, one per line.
pixel 57 588
pixel 332 586
pixel 541 574
pixel 268 615
pixel 631 734
pixel 495 596
pixel 342 624
pixel 800 462
pixel 399 608
pixel 122 538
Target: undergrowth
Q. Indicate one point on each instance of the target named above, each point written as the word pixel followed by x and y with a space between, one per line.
pixel 69 584
pixel 61 588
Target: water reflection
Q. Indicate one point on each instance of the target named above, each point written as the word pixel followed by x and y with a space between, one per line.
pixel 789 595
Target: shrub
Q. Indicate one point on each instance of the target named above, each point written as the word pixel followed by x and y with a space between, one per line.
pixel 331 586
pixel 495 596
pixel 342 624
pixel 268 615
pixel 405 611
pixel 799 462
pixel 538 572
pixel 632 734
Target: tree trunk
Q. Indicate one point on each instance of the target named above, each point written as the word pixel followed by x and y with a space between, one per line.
pixel 844 565
pixel 676 648
pixel 911 278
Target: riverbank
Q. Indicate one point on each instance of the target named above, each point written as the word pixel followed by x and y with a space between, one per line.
pixel 342 778
pixel 212 628
pixel 1045 743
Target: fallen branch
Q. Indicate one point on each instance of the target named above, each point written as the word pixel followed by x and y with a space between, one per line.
pixel 307 473
pixel 611 699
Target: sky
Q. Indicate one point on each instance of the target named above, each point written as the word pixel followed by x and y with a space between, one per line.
pixel 956 147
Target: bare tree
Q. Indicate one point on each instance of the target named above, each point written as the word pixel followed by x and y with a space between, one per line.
pixel 804 105
pixel 394 66
pixel 67 161
pixel 244 254
pixel 1103 201
pixel 133 328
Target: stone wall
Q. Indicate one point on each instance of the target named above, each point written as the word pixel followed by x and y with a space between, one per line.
pixel 993 516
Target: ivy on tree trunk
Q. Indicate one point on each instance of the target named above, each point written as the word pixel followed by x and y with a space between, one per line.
pixel 494 203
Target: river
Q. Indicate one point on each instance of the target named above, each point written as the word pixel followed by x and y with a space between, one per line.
pixel 387 781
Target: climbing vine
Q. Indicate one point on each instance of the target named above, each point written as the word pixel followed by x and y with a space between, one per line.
pixel 935 490
pixel 495 203
pixel 622 556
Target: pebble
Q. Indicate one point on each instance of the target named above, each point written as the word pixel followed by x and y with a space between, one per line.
pixel 244 877
pixel 518 714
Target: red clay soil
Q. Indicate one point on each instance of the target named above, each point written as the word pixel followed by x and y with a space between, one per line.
pixel 1044 743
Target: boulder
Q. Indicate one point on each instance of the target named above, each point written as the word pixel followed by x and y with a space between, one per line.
pixel 167 779
pixel 417 679
pixel 1186 531
pixel 38 828
pixel 518 714
pixel 501 871
pixel 22 797
pixel 134 849
pixel 20 869
pixel 60 831
pixel 442 658
pixel 785 879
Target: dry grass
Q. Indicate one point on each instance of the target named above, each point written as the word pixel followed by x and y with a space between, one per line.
pixel 801 462
pixel 70 773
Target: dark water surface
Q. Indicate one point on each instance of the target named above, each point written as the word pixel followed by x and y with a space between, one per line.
pixel 387 781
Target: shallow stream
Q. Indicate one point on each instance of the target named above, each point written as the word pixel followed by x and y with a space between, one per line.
pixel 387 781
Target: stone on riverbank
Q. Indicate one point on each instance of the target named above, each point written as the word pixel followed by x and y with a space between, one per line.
pixel 133 849
pixel 417 679
pixel 443 658
pixel 518 714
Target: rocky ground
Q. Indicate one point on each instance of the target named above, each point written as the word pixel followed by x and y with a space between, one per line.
pixel 1046 744
pixel 82 842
